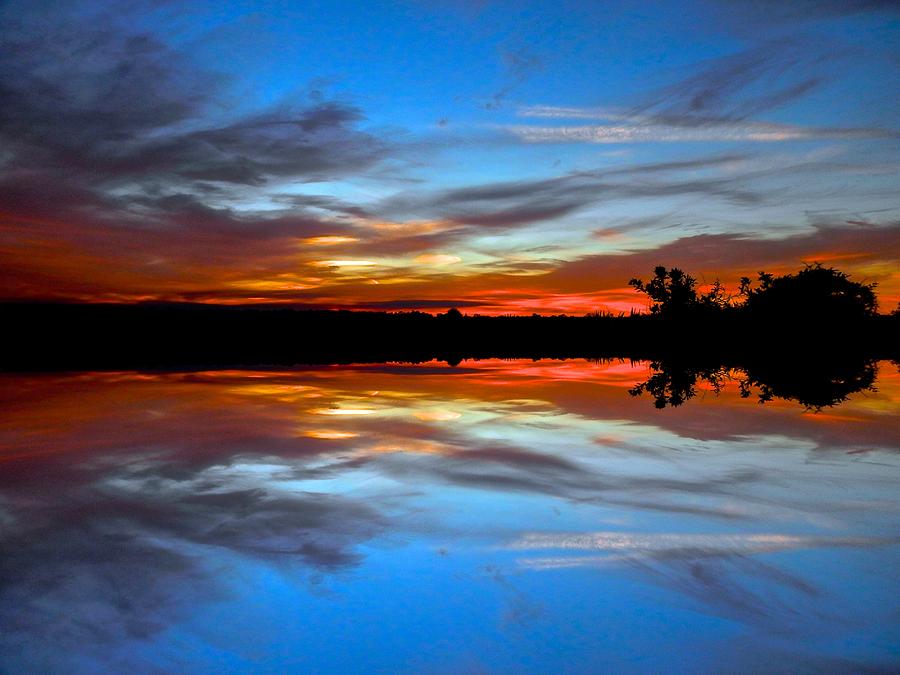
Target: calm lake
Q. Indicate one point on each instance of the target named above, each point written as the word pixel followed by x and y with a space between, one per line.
pixel 497 516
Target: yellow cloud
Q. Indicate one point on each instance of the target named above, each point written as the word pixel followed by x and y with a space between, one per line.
pixel 329 240
pixel 330 435
pixel 271 285
pixel 343 263
pixel 437 259
pixel 437 415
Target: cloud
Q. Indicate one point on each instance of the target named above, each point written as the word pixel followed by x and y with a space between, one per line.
pixel 130 173
pixel 711 131
pixel 507 468
pixel 719 572
pixel 125 110
pixel 741 85
pixel 564 112
pixel 519 64
pixel 512 204
pixel 108 130
pixel 329 240
pixel 731 255
pixel 344 263
pixel 749 17
pixel 128 556
pixel 126 175
pixel 437 259
pixel 716 103
pixel 676 545
pixel 325 203
pixel 137 497
pixel 423 303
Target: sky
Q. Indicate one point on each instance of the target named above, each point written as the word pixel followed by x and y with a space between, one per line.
pixel 499 157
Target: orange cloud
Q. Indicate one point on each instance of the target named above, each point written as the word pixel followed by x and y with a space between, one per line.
pixel 331 240
pixel 437 259
pixel 87 261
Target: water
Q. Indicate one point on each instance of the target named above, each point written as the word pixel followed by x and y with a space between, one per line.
pixel 501 516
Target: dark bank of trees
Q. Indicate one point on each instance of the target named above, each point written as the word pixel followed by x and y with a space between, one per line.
pixel 813 383
pixel 815 293
pixel 812 337
pixel 817 309
pixel 818 312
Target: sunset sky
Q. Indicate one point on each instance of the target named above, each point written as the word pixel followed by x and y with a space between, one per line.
pixel 494 156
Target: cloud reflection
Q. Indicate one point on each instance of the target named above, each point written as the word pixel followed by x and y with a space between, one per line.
pixel 129 502
pixel 720 572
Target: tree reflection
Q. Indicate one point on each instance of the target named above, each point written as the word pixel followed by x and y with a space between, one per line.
pixel 811 383
pixel 672 384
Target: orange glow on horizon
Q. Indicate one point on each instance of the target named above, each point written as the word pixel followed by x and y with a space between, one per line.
pixel 344 263
pixel 330 435
pixel 88 262
pixel 437 415
pixel 331 240
pixel 95 412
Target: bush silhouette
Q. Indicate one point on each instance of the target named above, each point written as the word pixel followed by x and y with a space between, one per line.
pixel 813 383
pixel 674 294
pixel 815 292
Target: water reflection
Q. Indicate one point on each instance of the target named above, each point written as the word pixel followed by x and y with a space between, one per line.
pixel 813 384
pixel 498 516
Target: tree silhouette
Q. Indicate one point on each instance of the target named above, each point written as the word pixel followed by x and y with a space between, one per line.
pixel 815 292
pixel 672 291
pixel 674 294
pixel 672 384
pixel 813 383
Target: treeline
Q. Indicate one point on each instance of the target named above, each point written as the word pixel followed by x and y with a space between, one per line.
pixel 815 293
pixel 818 312
pixel 813 337
pixel 814 383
